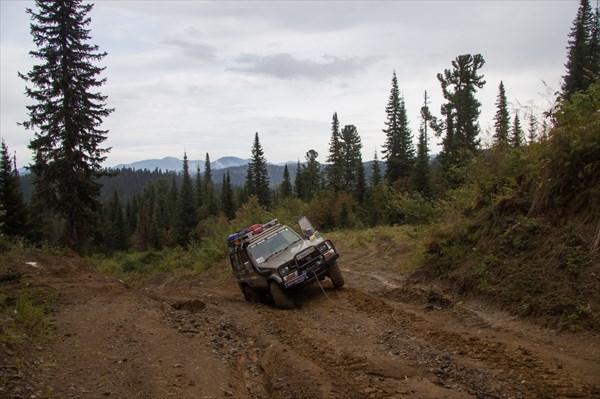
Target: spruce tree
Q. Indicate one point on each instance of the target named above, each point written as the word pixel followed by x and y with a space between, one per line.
pixel 67 115
pixel 118 228
pixel 13 221
pixel 360 193
pixel 422 174
pixel 161 211
pixel 594 51
pixel 186 219
pixel 286 185
pixel 227 202
pixel 516 134
pixel 398 149
pixel 258 175
pixel 310 176
pixel 199 187
pixel 532 127
pixel 376 171
pixel 209 192
pixel 583 51
pixel 172 199
pixel 502 118
pixel 298 183
pixel 335 167
pixel 353 177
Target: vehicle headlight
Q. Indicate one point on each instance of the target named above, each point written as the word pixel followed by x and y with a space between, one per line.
pixel 324 247
pixel 283 270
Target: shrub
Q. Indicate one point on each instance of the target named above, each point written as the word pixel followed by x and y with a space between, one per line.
pixel 570 159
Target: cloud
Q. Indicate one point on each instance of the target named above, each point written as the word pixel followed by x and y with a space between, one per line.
pixel 199 51
pixel 285 66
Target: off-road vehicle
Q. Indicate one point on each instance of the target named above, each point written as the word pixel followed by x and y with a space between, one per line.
pixel 271 260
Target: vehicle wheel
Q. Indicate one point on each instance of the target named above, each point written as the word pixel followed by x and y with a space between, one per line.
pixel 335 274
pixel 250 295
pixel 280 297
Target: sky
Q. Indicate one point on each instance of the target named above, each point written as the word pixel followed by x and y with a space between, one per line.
pixel 202 77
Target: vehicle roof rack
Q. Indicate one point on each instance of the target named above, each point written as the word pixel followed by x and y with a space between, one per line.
pixel 245 235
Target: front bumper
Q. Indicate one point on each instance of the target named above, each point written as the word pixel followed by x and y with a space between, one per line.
pixel 310 272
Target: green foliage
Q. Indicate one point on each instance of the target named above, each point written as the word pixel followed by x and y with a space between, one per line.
pixel 399 152
pixel 460 128
pixel 501 118
pixel 13 211
pixel 583 58
pixel 66 116
pixel 308 177
pixel 404 208
pixel 335 158
pixel 24 311
pixel 353 174
pixel 185 218
pixel 570 159
pixel 422 172
pixel 290 211
pixel 286 185
pixel 227 200
pixel 335 210
pixel 257 180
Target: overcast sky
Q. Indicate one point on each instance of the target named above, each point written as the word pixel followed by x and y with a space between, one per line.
pixel 201 76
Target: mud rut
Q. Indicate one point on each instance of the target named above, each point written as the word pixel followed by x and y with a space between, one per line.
pixel 199 339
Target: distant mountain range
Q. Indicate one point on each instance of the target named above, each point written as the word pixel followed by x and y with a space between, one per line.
pixel 176 164
pixel 134 176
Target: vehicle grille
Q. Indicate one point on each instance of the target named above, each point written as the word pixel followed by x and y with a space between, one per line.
pixel 307 260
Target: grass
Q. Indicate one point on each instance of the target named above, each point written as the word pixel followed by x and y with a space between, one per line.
pixel 24 311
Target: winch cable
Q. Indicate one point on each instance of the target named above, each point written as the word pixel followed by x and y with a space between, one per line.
pixel 391 317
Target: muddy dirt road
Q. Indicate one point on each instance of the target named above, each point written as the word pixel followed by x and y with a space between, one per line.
pixel 375 338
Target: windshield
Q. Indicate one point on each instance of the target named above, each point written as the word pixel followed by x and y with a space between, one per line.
pixel 275 243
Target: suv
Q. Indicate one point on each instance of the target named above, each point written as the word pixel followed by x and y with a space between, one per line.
pixel 270 260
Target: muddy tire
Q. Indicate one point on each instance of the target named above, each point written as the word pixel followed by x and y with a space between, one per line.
pixel 335 274
pixel 250 295
pixel 280 297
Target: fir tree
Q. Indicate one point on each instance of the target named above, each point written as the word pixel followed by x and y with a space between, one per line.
pixel 353 178
pixel 502 118
pixel 14 217
pixel 142 238
pixel 172 198
pixel 335 167
pixel 582 52
pixel 422 174
pixel 186 219
pixel 360 193
pixel 67 115
pixel 594 51
pixel 532 127
pixel 161 209
pixel 516 133
pixel 199 187
pixel 310 176
pixel 286 185
pixel 210 197
pixel 398 149
pixel 376 171
pixel 257 180
pixel 227 203
pixel 118 229
pixel 131 216
pixel 298 184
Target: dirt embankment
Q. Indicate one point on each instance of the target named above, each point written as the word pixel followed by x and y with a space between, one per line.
pixel 375 338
